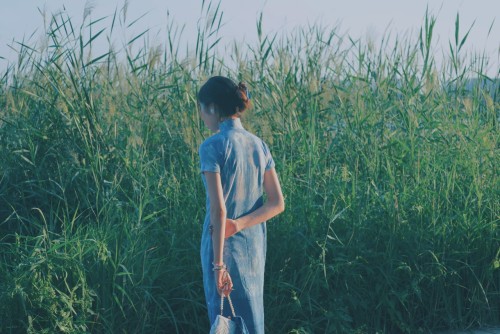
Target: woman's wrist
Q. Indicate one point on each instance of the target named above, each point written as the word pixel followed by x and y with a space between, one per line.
pixel 239 224
pixel 219 266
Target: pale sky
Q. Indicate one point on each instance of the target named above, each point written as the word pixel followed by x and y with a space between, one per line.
pixel 358 18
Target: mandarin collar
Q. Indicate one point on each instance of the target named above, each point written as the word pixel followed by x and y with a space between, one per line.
pixel 231 123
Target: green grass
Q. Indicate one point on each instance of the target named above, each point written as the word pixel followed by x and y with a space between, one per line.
pixel 389 167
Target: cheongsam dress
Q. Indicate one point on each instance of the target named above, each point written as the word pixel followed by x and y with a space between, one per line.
pixel 241 158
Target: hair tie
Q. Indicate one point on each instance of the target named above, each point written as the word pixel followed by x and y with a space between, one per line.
pixel 241 86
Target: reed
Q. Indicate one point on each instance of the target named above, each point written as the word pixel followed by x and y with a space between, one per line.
pixel 389 166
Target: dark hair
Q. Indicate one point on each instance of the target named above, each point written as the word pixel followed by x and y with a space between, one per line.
pixel 230 98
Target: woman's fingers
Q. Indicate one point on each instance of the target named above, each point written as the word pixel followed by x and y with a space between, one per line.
pixel 228 233
pixel 227 288
pixel 224 283
pixel 228 284
pixel 230 227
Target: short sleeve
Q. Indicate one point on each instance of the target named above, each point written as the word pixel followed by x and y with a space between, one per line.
pixel 268 156
pixel 210 157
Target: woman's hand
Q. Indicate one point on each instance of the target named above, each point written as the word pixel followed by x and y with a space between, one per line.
pixel 223 282
pixel 232 227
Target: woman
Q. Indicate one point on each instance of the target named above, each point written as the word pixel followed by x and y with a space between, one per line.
pixel 237 168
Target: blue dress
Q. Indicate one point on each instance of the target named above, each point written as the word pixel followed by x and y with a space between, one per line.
pixel 241 158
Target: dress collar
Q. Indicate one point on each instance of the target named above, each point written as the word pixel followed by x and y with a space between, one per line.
pixel 231 123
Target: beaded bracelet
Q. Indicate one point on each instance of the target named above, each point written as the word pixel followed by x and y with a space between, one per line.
pixel 218 267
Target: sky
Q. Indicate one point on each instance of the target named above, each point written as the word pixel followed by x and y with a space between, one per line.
pixel 357 18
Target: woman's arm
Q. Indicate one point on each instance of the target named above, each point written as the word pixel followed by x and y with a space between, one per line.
pixel 273 206
pixel 218 223
pixel 217 213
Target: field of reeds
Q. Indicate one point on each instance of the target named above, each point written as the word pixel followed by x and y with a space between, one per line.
pixel 389 165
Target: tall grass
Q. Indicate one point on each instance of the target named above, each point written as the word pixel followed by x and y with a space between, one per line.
pixel 389 166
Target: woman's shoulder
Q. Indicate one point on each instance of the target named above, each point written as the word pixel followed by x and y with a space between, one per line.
pixel 258 140
pixel 214 141
pixel 216 137
pixel 251 135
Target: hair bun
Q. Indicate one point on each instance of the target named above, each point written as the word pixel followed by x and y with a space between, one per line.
pixel 242 87
pixel 243 97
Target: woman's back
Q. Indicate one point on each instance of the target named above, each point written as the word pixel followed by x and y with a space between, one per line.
pixel 241 158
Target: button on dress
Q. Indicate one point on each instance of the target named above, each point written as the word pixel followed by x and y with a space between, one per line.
pixel 241 158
